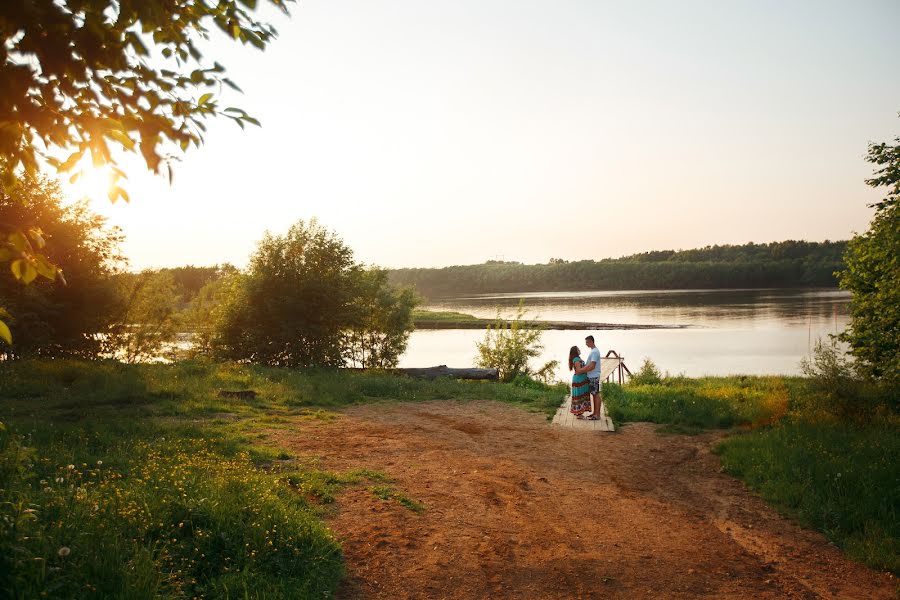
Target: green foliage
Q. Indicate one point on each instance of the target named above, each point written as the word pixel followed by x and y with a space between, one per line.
pixel 777 264
pixel 648 375
pixel 304 302
pixel 380 329
pixel 80 77
pixel 149 317
pixel 61 320
pixel 837 477
pixel 387 493
pixel 294 303
pixel 428 316
pixel 154 518
pixel 872 274
pixel 508 346
pixel 835 390
pixel 708 402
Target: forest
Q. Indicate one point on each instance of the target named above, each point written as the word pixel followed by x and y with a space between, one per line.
pixel 786 264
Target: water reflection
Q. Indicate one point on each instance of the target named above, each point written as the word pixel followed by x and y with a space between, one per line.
pixel 732 331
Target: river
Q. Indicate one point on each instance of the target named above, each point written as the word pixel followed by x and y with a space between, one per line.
pixel 750 332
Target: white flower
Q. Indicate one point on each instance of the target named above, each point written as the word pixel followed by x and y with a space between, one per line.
pixel 64 551
pixel 71 467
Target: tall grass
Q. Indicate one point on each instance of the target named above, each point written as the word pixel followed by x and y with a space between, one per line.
pixel 709 402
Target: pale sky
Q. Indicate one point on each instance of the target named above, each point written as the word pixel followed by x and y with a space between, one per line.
pixel 441 133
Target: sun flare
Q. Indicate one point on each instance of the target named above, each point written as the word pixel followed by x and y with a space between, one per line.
pixel 93 183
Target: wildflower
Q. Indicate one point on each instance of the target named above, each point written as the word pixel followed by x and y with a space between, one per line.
pixel 71 467
pixel 64 551
pixel 99 462
pixel 59 480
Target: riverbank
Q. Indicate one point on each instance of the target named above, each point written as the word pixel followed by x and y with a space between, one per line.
pixel 143 481
pixel 426 319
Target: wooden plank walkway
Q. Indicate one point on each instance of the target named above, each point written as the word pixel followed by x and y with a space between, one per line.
pixel 565 418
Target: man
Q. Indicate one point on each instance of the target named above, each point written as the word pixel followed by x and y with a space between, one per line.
pixel 592 368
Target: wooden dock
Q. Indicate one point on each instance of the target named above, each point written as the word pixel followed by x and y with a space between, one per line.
pixel 564 416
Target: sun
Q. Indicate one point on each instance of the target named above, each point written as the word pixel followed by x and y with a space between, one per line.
pixel 92 183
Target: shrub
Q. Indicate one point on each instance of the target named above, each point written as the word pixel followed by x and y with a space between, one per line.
pixel 304 300
pixel 649 374
pixel 509 345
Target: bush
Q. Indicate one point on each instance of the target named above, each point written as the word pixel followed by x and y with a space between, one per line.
pixel 837 389
pixel 648 375
pixel 508 346
pixel 49 318
pixel 304 300
pixel 873 276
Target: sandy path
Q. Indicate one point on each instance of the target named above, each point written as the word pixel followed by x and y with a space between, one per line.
pixel 517 509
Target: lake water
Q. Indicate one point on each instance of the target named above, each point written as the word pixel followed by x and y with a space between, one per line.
pixel 752 332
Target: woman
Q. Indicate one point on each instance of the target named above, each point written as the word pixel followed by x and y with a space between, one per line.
pixel 581 388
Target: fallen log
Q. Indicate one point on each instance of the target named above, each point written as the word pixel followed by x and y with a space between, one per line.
pixel 445 371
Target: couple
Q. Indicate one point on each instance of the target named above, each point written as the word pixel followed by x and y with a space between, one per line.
pixel 586 381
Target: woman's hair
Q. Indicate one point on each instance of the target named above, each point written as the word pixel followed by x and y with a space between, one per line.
pixel 573 352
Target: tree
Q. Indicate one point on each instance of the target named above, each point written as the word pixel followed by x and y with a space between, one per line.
pixel 304 302
pixel 292 306
pixel 508 346
pixel 148 319
pixel 382 323
pixel 82 78
pixel 61 320
pixel 873 276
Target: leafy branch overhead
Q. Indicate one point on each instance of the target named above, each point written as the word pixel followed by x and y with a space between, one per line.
pixel 84 78
pixel 81 77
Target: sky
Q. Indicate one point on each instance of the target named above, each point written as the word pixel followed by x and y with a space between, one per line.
pixel 441 133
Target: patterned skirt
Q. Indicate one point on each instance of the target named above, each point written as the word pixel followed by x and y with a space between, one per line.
pixel 581 394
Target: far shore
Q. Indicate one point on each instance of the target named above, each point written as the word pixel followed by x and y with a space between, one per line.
pixel 427 319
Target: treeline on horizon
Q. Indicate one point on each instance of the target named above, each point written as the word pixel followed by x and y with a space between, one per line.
pixel 773 265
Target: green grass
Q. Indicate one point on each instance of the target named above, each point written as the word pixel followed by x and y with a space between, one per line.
pixel 841 478
pixel 387 493
pixel 430 316
pixel 690 405
pixel 138 481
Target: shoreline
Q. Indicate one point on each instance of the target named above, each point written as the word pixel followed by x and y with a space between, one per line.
pixel 475 323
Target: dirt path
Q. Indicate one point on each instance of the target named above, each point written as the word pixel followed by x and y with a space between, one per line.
pixel 517 509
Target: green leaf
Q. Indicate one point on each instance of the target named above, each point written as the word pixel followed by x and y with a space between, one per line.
pixel 38 236
pixel 120 137
pixel 5 334
pixel 204 99
pixel 251 120
pixel 30 272
pixel 18 241
pixel 17 267
pixel 71 161
pixel 44 267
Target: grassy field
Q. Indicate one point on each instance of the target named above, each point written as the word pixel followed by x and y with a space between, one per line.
pixel 838 475
pixel 439 316
pixel 122 481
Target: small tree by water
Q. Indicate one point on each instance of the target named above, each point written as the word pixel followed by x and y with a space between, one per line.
pixel 508 346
